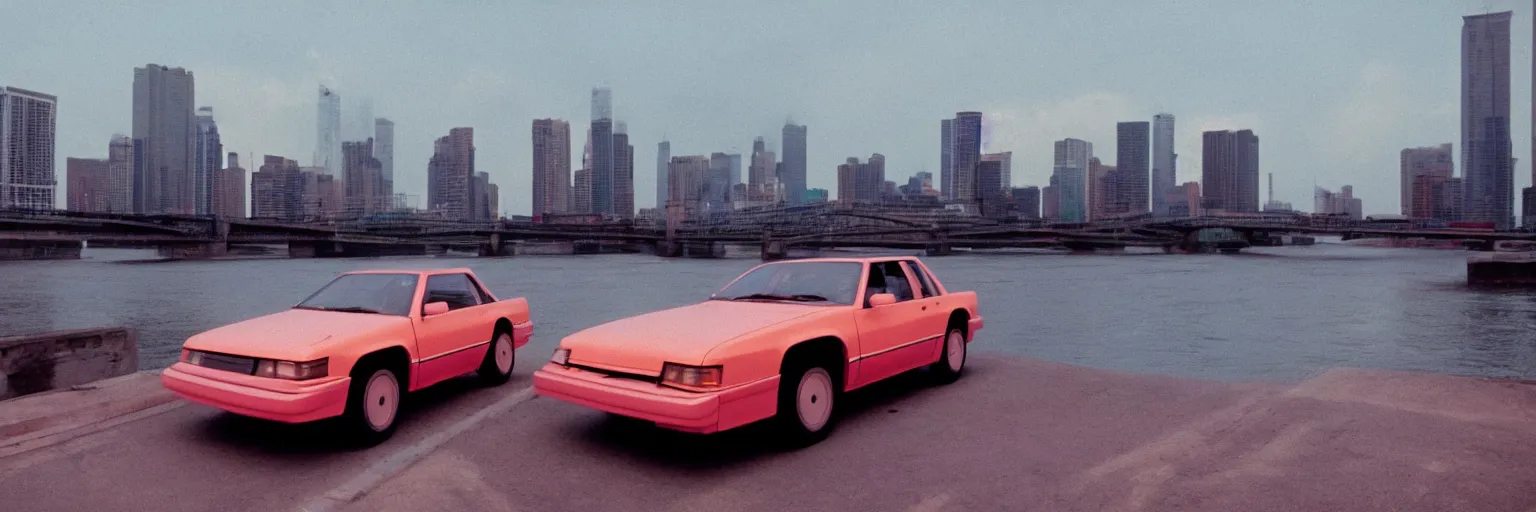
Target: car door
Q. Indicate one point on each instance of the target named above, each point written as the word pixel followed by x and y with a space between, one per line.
pixel 934 320
pixel 892 338
pixel 452 343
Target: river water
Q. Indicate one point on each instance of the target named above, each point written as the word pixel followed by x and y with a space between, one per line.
pixel 1280 313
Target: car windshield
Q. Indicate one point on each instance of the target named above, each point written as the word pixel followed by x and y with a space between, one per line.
pixel 818 282
pixel 388 294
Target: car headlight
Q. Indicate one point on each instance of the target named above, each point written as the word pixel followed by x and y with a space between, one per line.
pixel 192 357
pixel 290 370
pixel 561 356
pixel 691 376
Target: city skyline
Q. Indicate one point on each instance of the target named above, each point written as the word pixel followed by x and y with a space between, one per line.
pixel 1359 95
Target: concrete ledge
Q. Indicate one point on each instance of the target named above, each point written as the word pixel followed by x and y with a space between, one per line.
pixel 44 419
pixel 40 362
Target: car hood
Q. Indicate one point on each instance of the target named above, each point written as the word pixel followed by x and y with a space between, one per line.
pixel 640 344
pixel 291 334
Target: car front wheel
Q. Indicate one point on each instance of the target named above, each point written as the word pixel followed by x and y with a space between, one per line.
pixel 807 412
pixel 373 406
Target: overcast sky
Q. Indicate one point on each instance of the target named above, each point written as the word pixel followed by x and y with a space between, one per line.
pixel 1333 89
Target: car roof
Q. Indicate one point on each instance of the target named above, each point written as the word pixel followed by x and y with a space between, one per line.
pixel 414 271
pixel 862 259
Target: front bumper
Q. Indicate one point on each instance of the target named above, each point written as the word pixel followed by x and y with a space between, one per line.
pixel 271 399
pixel 688 411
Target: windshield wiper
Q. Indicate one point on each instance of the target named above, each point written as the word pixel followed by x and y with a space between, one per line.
pixel 348 309
pixel 799 297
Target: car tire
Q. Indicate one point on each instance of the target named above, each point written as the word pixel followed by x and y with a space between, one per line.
pixel 807 409
pixel 500 357
pixel 373 405
pixel 952 355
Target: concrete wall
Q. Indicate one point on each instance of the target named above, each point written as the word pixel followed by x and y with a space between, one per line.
pixel 39 250
pixel 40 362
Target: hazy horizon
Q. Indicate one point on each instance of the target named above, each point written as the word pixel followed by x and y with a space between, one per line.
pixel 1333 93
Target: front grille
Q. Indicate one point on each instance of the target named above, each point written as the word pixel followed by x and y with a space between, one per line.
pixel 228 363
pixel 618 375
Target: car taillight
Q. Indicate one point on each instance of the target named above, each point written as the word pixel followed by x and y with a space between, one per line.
pixel 691 376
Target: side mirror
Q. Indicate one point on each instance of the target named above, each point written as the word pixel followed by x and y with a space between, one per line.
pixel 881 299
pixel 434 308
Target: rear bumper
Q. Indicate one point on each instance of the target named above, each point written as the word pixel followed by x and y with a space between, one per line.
pixel 975 325
pixel 288 402
pixel 675 409
pixel 521 333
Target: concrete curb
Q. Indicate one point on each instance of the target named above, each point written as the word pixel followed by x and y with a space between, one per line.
pixel 44 419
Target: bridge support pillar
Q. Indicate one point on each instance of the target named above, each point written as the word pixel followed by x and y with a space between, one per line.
pixel 938 245
pixel 774 249
pixel 1076 246
pixel 493 248
pixel 669 248
pixel 11 250
pixel 703 250
pixel 196 251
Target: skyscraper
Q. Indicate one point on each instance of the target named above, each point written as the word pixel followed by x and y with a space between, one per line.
pixel 967 154
pixel 85 182
pixel 328 131
pixel 1229 171
pixel 277 190
pixel 1069 179
pixel 602 151
pixel 362 178
pixel 384 150
pixel 164 130
pixel 207 155
pixel 1027 200
pixel 581 191
pixel 792 172
pixel 947 158
pixel 229 190
pixel 762 179
pixel 989 179
pixel 1131 167
pixel 1487 158
pixel 623 174
pixel 663 157
pixel 120 173
pixel 551 165
pixel 1165 175
pixel 686 178
pixel 27 142
pixel 1434 163
pixel 450 175
pixel 1005 170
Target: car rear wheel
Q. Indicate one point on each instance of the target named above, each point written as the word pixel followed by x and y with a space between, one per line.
pixel 373 406
pixel 951 361
pixel 807 411
pixel 500 356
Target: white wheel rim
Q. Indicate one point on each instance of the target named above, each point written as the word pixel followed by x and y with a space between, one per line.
pixel 814 399
pixel 955 346
pixel 381 400
pixel 504 353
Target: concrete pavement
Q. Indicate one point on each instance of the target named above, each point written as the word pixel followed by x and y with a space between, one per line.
pixel 1014 434
pixel 1018 434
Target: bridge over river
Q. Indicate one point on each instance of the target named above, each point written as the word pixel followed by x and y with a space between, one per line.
pixel 58 234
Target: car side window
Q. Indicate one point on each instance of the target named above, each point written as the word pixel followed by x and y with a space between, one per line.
pixel 929 290
pixel 896 282
pixel 485 296
pixel 455 289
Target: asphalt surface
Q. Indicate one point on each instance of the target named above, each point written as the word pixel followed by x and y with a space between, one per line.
pixel 198 458
pixel 1013 434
